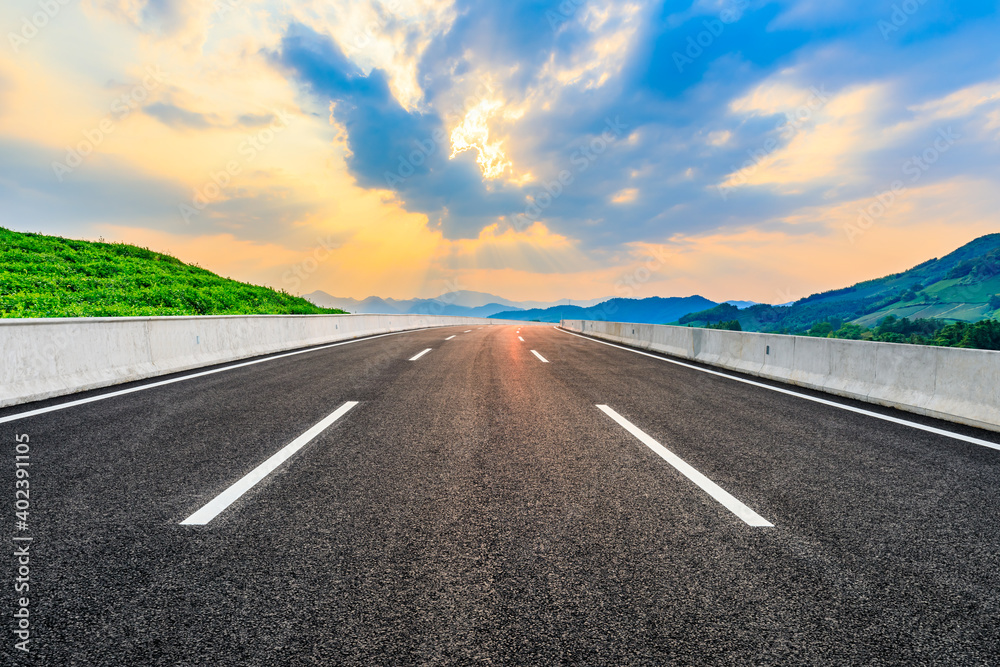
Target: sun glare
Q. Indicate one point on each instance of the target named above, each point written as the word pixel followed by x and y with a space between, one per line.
pixel 474 134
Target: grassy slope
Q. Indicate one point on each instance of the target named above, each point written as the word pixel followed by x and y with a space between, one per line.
pixel 49 276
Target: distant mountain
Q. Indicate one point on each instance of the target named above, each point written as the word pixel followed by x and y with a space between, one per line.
pixel 464 303
pixel 653 310
pixel 456 303
pixel 961 286
pixel 584 303
pixel 479 311
pixel 741 304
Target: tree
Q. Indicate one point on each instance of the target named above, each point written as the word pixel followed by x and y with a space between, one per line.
pixel 952 335
pixel 821 329
pixel 891 325
pixel 983 335
pixel 850 331
pixel 731 325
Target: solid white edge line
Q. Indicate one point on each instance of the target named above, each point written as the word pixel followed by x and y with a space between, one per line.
pixel 543 359
pixel 748 516
pixel 248 481
pixel 420 354
pixel 450 337
pixel 814 399
pixel 162 383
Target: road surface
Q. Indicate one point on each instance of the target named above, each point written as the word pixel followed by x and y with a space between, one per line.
pixel 497 496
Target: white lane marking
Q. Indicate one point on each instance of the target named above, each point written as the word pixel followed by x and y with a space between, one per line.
pixel 417 356
pixel 748 516
pixel 233 493
pixel 520 339
pixel 467 331
pixel 543 359
pixel 814 399
pixel 161 383
pixel 450 337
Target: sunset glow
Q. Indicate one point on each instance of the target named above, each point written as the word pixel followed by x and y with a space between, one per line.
pixel 436 143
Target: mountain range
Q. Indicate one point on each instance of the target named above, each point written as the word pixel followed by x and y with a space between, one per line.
pixel 464 303
pixel 652 310
pixel 964 285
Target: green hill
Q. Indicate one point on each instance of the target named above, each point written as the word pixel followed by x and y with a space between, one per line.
pixel 961 287
pixel 49 276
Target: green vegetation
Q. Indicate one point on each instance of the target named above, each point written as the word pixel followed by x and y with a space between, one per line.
pixel 982 335
pixel 720 313
pixel 730 325
pixel 939 302
pixel 49 276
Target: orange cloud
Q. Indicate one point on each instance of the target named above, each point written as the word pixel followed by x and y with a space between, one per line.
pixel 826 139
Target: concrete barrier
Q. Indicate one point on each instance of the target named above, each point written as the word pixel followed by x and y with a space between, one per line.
pixel 43 358
pixel 948 383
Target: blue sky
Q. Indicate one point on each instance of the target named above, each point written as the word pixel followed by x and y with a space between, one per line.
pixel 538 150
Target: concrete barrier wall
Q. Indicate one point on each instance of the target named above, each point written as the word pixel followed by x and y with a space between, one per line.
pixel 42 358
pixel 947 383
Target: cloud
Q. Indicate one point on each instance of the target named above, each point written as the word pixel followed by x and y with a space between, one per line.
pixel 982 99
pixel 625 196
pixel 389 147
pixel 534 249
pixel 825 136
pixel 701 89
pixel 109 190
pixel 6 88
pixel 251 120
pixel 176 117
pixel 729 45
pixel 183 20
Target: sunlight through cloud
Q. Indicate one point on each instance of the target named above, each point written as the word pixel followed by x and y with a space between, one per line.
pixel 474 134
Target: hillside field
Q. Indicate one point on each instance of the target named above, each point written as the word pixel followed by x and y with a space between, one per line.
pixel 50 276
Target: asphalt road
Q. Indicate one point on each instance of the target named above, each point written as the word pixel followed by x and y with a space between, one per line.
pixel 476 506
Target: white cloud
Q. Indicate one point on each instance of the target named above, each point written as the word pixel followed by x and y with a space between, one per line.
pixel 611 27
pixel 982 100
pixel 184 21
pixel 390 35
pixel 626 196
pixel 822 138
